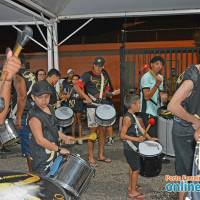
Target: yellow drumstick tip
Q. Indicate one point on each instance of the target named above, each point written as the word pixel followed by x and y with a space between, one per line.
pixel 93 136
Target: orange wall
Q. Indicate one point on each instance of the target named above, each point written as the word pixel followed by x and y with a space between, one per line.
pixel 81 57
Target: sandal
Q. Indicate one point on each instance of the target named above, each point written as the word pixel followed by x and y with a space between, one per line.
pixel 139 196
pixel 93 164
pixel 138 187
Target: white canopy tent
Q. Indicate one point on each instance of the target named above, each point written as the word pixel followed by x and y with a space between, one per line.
pixel 49 12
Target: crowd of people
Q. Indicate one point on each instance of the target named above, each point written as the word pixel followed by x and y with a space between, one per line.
pixel 31 99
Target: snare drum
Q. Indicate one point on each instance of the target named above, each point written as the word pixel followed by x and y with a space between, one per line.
pixel 105 115
pixel 8 133
pixel 150 158
pixel 65 116
pixel 75 175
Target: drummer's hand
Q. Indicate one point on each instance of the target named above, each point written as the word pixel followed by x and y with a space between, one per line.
pixel 88 100
pixel 197 134
pixel 141 139
pixel 64 151
pixel 153 139
pixel 116 92
pixel 18 124
pixel 68 140
pixel 196 122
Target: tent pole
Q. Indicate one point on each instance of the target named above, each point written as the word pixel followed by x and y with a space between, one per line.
pixel 50 53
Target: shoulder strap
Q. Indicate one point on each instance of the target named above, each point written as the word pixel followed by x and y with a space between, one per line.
pixel 48 125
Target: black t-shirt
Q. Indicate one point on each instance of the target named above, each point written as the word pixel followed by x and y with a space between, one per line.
pixel 75 102
pixel 92 83
pixel 29 79
pixel 53 98
pixel 132 131
pixel 67 85
pixel 192 103
pixel 41 157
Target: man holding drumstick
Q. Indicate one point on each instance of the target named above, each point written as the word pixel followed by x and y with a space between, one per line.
pixel 96 92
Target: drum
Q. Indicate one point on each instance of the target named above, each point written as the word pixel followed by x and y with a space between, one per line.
pixel 65 116
pixel 163 112
pixel 18 185
pixel 165 135
pixel 150 158
pixel 105 115
pixel 75 175
pixel 8 133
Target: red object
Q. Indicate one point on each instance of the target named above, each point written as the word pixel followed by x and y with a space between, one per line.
pixel 151 121
pixel 145 68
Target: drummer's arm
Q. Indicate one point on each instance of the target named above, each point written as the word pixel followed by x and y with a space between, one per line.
pixel 78 89
pixel 150 138
pixel 175 104
pixel 67 139
pixel 36 129
pixel 124 136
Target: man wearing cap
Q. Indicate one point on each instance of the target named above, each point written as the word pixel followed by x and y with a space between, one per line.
pixel 91 81
pixel 45 140
pixel 67 84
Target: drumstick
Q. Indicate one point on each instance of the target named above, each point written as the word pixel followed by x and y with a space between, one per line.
pixel 55 104
pixel 92 137
pixel 147 67
pixel 22 38
pixel 95 104
pixel 150 122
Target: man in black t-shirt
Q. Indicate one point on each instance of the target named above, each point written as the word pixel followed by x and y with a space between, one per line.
pixel 185 105
pixel 91 82
pixel 52 78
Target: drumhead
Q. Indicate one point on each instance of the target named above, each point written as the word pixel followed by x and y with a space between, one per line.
pixel 150 148
pixel 105 112
pixel 20 185
pixel 64 113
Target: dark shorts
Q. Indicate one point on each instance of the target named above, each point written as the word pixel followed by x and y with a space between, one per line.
pixel 78 111
pixel 153 129
pixel 184 147
pixel 133 159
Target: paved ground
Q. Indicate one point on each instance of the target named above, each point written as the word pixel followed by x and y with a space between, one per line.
pixel 111 180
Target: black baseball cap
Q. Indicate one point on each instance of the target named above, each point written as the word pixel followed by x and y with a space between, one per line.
pixel 40 88
pixel 99 61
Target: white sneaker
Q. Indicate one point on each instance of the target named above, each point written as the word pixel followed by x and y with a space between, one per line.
pixel 110 141
pixel 80 141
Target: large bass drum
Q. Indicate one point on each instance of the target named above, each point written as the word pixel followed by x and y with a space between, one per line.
pixel 8 133
pixel 75 175
pixel 150 158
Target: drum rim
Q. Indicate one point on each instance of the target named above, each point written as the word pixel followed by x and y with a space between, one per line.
pixel 105 120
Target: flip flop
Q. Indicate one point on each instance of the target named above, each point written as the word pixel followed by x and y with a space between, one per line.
pixel 138 187
pixel 93 164
pixel 139 196
pixel 106 160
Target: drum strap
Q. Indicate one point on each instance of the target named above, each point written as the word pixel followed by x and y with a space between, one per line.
pixel 138 125
pixel 101 91
pixel 132 146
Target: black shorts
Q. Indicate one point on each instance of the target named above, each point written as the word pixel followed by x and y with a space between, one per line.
pixel 78 111
pixel 184 147
pixel 133 159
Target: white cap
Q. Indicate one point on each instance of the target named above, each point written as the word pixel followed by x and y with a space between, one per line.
pixel 70 70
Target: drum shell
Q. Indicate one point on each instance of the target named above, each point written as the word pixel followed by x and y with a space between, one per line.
pixel 150 158
pixel 105 122
pixel 68 119
pixel 165 135
pixel 8 133
pixel 75 175
pixel 150 166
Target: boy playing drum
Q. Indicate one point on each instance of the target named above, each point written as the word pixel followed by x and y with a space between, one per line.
pixel 131 139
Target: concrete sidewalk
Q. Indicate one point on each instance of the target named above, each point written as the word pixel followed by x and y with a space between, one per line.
pixel 111 180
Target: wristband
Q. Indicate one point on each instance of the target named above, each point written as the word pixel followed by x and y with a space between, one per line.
pixel 156 85
pixel 59 149
pixel 9 80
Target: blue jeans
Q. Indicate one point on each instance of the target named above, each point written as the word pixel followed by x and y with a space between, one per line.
pixel 24 138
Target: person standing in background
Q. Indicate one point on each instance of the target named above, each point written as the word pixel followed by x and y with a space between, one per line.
pixel 40 75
